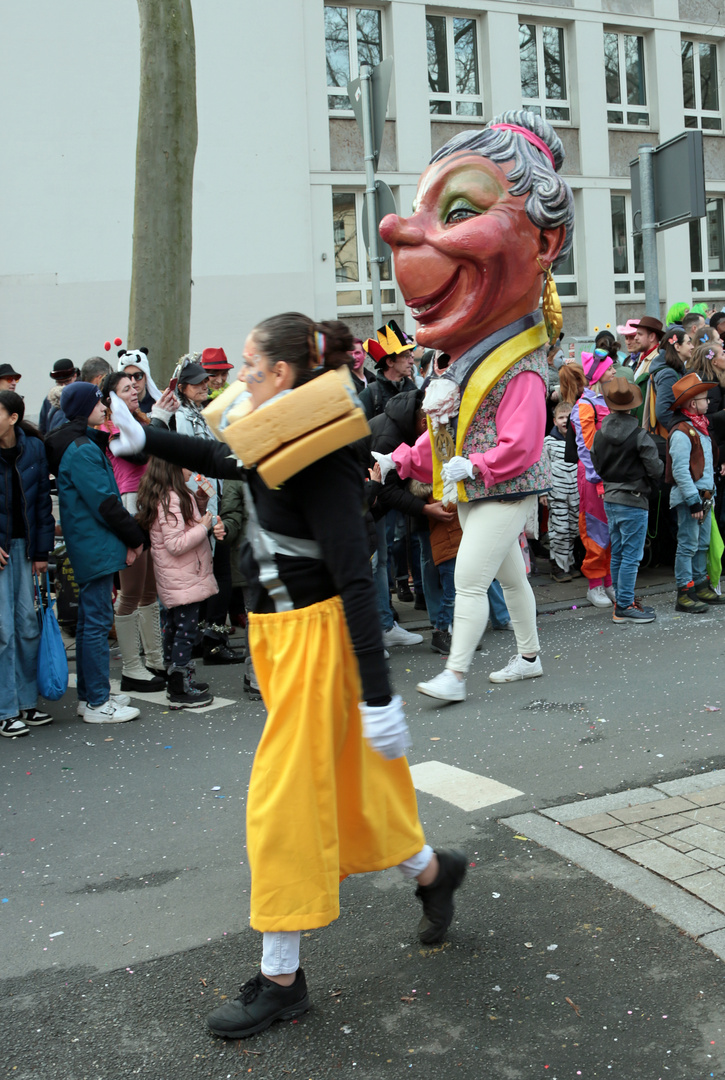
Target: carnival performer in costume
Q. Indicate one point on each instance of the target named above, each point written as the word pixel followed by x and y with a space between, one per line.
pixel 330 792
pixel 490 219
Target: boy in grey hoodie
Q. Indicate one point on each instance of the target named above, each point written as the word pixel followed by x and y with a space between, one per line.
pixel 626 458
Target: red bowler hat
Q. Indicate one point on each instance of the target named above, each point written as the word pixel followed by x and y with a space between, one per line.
pixel 215 361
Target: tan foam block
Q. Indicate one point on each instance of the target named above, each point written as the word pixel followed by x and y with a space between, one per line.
pixel 310 406
pixel 292 458
pixel 227 403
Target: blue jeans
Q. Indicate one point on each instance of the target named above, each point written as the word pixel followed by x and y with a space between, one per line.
pixel 429 573
pixel 95 619
pixel 693 541
pixel 380 573
pixel 19 635
pixel 627 533
pixel 447 572
pixel 497 605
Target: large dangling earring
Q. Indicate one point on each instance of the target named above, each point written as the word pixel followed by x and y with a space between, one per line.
pixel 551 305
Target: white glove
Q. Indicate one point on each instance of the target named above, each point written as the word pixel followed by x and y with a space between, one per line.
pixel 385 462
pixel 131 435
pixel 385 728
pixel 458 468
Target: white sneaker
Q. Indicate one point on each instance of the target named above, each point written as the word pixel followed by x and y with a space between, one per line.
pixel 122 700
pixel 517 668
pixel 109 713
pixel 445 687
pixel 609 590
pixel 398 636
pixel 598 597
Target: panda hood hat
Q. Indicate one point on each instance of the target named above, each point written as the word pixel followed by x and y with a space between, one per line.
pixel 139 358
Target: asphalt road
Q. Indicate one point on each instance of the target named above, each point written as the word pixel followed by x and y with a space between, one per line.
pixel 124 886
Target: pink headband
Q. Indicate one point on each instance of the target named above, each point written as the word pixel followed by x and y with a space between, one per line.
pixel 530 137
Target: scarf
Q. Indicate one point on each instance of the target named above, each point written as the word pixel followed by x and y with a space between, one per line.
pixel 700 423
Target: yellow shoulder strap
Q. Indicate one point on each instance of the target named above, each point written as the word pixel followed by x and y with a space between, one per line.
pixel 485 377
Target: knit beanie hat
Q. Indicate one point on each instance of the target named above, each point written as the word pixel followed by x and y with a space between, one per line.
pixel 79 399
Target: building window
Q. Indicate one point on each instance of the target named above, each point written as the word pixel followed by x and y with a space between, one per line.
pixel 625 79
pixel 707 250
pixel 353 35
pixel 543 71
pixel 565 276
pixel 352 267
pixel 628 263
pixel 453 75
pixel 700 86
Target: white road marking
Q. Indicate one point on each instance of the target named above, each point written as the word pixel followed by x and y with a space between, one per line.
pixel 467 790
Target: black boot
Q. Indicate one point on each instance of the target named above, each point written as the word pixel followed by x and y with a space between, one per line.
pixel 437 898
pixel 403 590
pixel 687 601
pixel 217 651
pixel 181 694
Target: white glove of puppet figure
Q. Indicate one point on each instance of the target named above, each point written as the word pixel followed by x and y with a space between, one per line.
pixel 385 462
pixel 131 435
pixel 458 468
pixel 385 728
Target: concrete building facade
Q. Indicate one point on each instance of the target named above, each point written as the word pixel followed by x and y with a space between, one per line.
pixel 279 176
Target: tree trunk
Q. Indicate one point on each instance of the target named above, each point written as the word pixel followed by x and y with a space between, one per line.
pixel 160 307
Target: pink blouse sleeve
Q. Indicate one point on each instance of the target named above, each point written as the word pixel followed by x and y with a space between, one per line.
pixel 415 461
pixel 521 426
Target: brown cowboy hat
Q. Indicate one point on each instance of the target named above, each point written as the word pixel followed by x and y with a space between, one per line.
pixel 621 395
pixel 688 387
pixel 648 323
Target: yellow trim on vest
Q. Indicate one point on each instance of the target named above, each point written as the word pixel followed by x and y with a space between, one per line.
pixel 484 378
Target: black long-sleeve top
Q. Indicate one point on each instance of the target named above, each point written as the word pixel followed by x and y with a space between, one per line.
pixel 323 503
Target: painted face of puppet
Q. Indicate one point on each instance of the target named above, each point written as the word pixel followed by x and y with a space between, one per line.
pixel 466 260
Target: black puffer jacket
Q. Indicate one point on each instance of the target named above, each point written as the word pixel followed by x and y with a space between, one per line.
pixel 394 426
pixel 32 470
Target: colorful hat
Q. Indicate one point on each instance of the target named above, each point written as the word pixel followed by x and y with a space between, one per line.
pixel 621 395
pixel 215 361
pixel 390 341
pixel 595 366
pixel 688 387
pixel 629 328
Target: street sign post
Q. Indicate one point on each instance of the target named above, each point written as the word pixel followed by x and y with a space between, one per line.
pixel 668 189
pixel 369 97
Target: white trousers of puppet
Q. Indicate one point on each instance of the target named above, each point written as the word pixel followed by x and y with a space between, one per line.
pixel 490 549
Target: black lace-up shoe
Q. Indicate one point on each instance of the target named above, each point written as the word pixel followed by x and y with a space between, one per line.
pixel 259 1004
pixel 437 898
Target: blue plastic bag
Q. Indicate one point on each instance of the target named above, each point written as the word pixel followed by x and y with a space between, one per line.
pixel 52 659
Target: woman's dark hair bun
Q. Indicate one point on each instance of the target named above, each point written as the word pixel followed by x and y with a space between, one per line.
pixel 338 343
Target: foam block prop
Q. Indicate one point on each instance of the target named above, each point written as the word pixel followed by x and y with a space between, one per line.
pixel 293 431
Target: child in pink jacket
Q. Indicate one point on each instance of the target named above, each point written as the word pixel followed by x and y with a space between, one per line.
pixel 182 558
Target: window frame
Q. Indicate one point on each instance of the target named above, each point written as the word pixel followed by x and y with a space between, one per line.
pixel 623 105
pixel 698 113
pixel 542 102
pixel 353 62
pixel 363 285
pixel 703 225
pixel 631 276
pixel 453 96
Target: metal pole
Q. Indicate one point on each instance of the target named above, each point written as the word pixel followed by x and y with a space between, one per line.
pixel 649 235
pixel 370 192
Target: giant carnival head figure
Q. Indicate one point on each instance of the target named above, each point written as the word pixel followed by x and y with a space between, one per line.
pixel 490 218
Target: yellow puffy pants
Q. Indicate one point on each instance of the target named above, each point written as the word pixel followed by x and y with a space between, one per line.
pixel 321 803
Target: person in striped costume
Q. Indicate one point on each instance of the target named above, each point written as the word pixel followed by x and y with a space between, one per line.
pixel 563 498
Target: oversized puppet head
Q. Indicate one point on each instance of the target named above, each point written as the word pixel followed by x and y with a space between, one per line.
pixel 490 217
